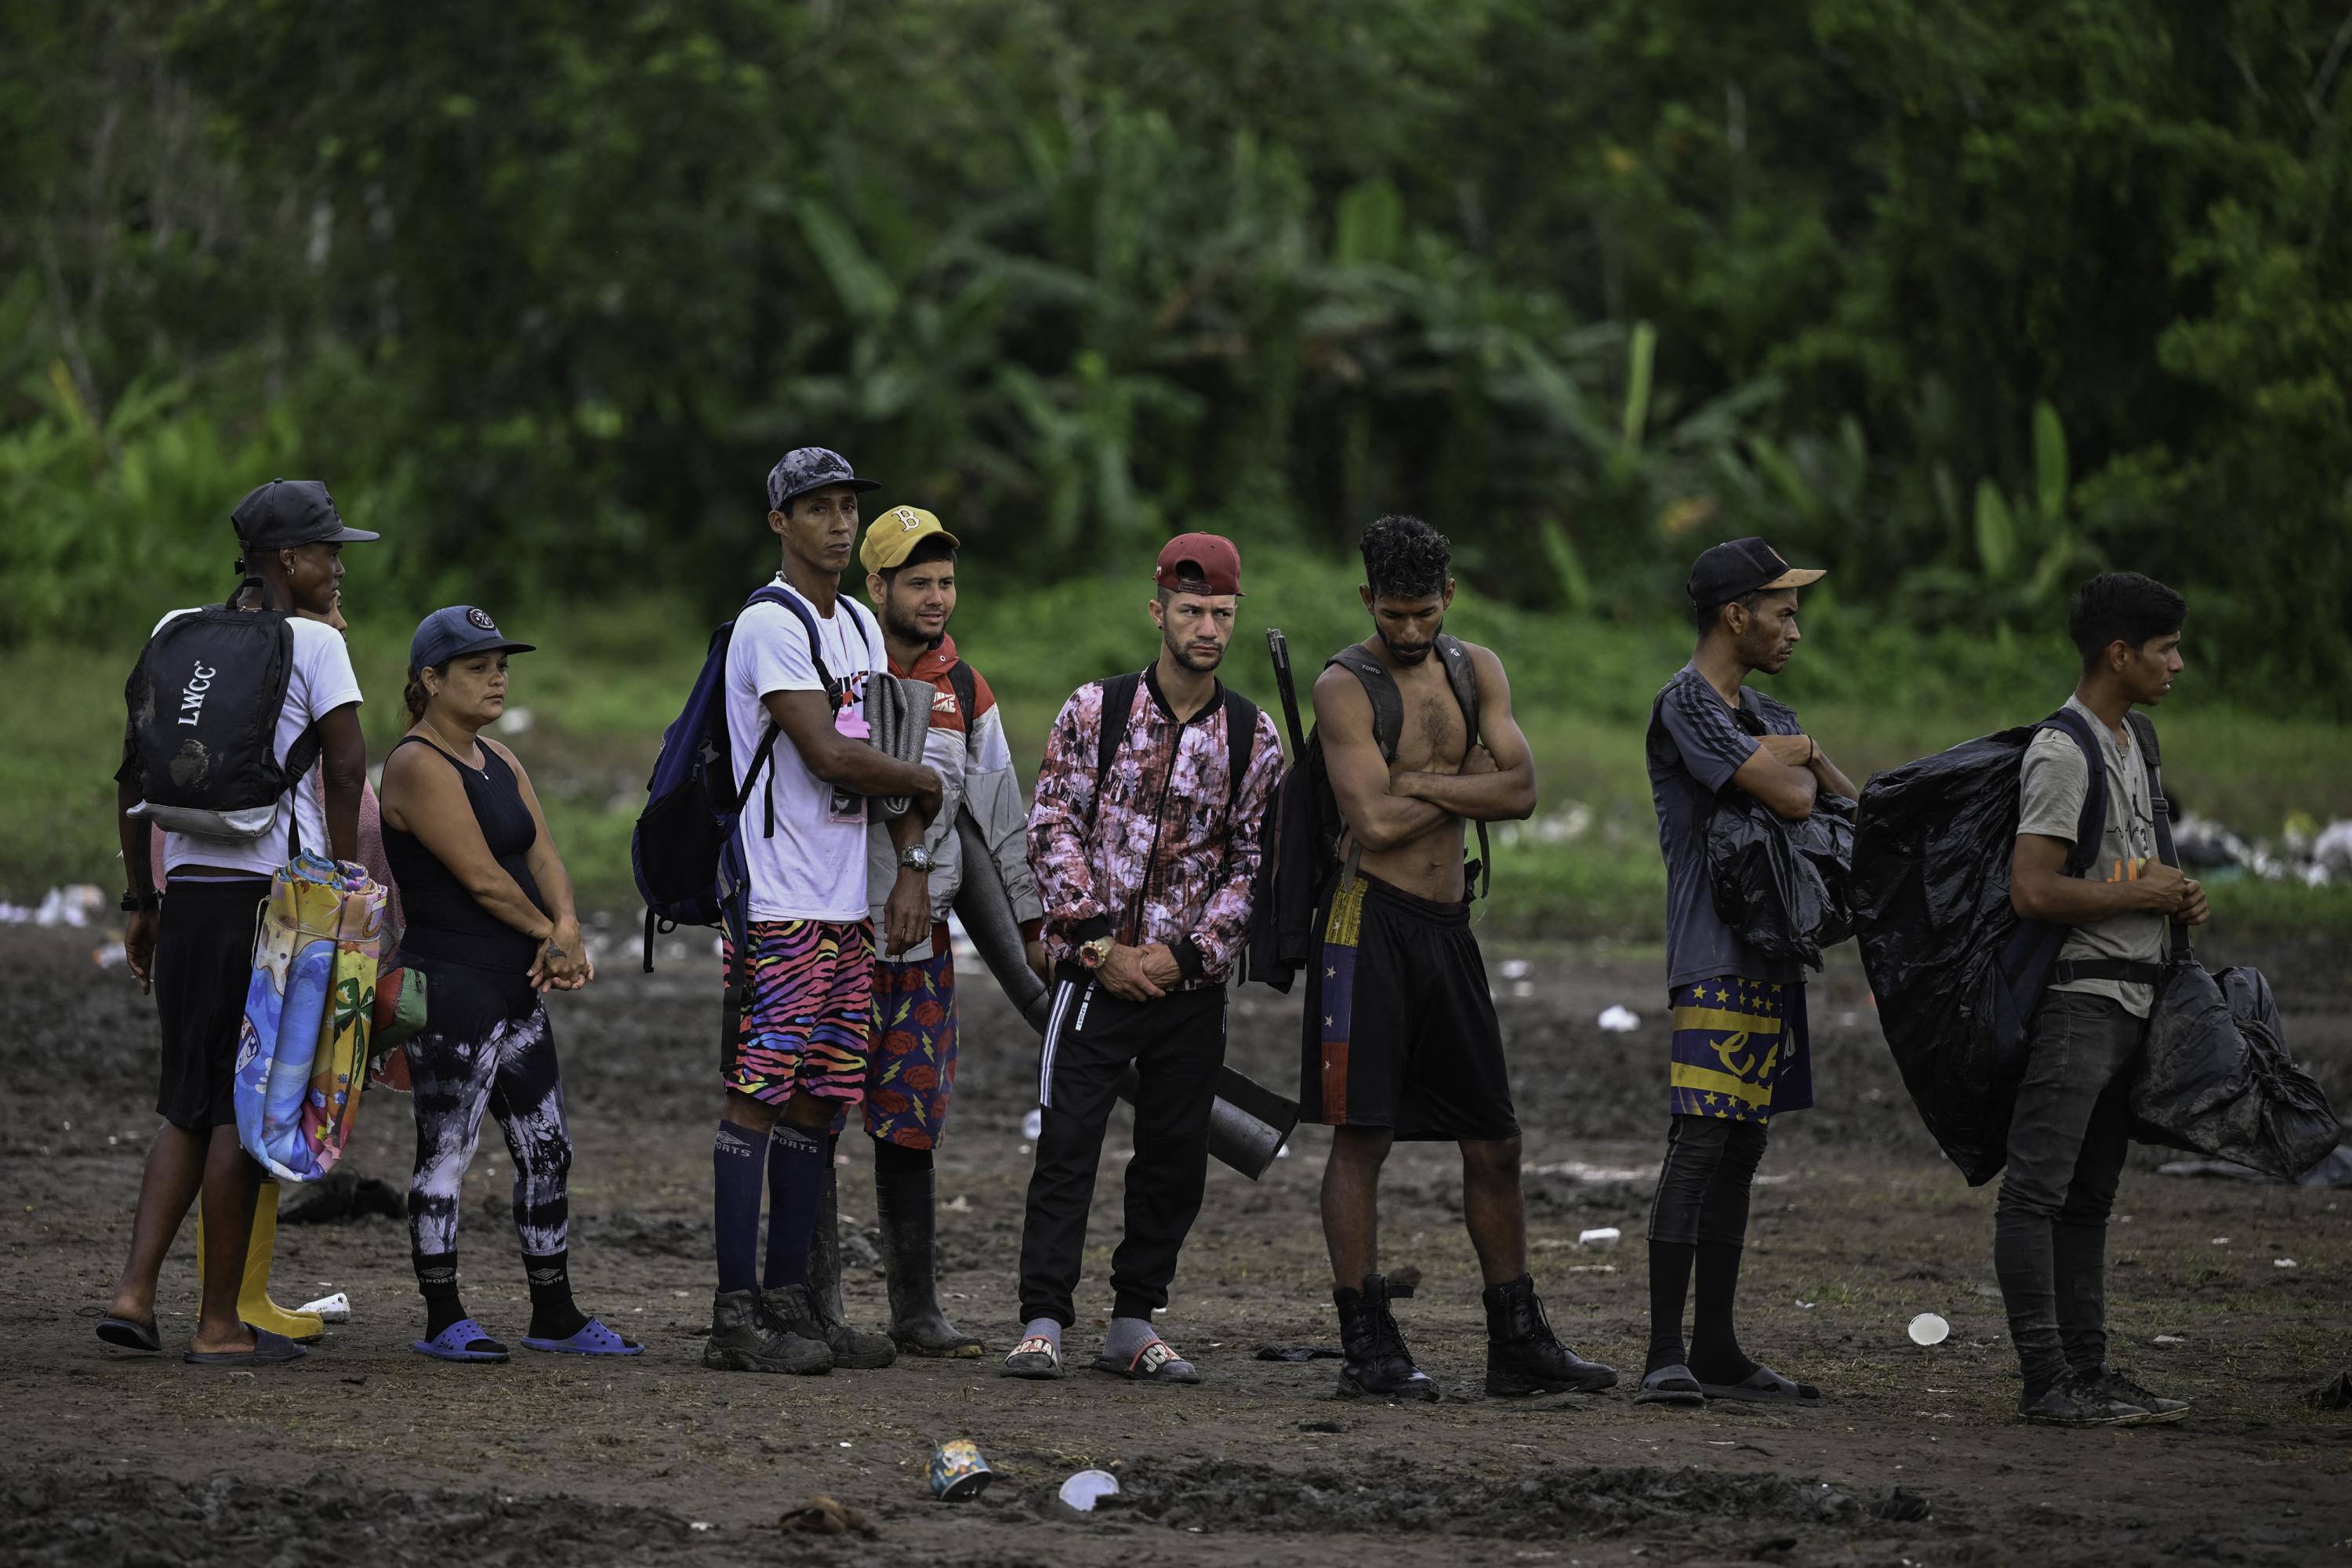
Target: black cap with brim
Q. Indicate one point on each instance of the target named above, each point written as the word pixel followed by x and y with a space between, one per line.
pixel 1743 566
pixel 285 514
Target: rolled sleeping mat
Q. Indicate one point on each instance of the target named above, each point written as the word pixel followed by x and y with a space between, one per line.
pixel 1248 1123
pixel 899 722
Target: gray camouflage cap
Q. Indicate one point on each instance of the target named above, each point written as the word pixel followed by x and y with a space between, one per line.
pixel 806 469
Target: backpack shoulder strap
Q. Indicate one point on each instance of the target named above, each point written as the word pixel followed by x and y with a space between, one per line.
pixel 1117 703
pixel 1381 687
pixel 2143 729
pixel 1461 674
pixel 770 594
pixel 967 693
pixel 2093 821
pixel 1241 743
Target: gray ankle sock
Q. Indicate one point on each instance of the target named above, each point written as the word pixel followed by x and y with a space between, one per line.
pixel 1043 1329
pixel 1128 1337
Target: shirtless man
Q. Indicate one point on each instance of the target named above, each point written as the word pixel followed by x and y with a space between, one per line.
pixel 1401 1039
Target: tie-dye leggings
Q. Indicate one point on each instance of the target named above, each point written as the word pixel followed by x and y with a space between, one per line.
pixel 486 1045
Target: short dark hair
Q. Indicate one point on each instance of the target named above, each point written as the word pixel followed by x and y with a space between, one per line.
pixel 926 551
pixel 1405 558
pixel 2122 607
pixel 1706 614
pixel 1196 586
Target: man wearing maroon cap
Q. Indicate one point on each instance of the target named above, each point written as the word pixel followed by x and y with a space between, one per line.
pixel 1144 840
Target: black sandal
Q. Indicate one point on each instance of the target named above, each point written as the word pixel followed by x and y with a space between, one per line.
pixel 1670 1385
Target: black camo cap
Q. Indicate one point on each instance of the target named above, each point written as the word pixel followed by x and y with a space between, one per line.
pixel 286 513
pixel 806 469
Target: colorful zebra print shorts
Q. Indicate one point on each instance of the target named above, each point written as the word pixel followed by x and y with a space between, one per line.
pixel 807 1029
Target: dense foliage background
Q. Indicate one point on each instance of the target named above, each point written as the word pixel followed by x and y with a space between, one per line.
pixel 1963 299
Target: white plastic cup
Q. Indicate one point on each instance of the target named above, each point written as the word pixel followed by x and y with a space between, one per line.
pixel 1087 1487
pixel 1927 1328
pixel 334 1309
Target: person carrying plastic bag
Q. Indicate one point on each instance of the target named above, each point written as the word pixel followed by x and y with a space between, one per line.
pixel 302 1052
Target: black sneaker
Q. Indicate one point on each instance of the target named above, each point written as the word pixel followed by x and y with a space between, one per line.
pixel 2157 1409
pixel 1377 1364
pixel 744 1338
pixel 2077 1402
pixel 1523 1356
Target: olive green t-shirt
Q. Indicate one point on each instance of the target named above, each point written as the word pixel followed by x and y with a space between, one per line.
pixel 2050 788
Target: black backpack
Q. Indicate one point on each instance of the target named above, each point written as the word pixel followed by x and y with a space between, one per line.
pixel 1118 706
pixel 205 700
pixel 1302 857
pixel 1953 971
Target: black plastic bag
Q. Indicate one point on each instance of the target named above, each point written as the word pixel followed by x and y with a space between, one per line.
pixel 1782 886
pixel 2216 1076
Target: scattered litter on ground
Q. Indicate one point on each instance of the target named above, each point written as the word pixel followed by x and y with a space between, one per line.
pixel 1578 1170
pixel 1600 1235
pixel 1514 969
pixel 821 1515
pixel 1930 1328
pixel 2285 1263
pixel 334 1309
pixel 106 955
pixel 1032 1125
pixel 2220 1241
pixel 1086 1489
pixel 1619 1019
pixel 76 906
pixel 2170 1340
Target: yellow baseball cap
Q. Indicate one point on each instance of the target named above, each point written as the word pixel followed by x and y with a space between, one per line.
pixel 892 537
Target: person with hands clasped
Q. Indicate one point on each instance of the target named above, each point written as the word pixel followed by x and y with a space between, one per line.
pixel 1145 837
pixel 493 928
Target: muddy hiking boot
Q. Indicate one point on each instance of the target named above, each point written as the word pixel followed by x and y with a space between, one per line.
pixel 1376 1365
pixel 2076 1401
pixel 1523 1356
pixel 2114 1385
pixel 744 1338
pixel 854 1350
pixel 906 1205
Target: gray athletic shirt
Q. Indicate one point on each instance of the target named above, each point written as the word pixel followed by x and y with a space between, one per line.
pixel 1694 745
pixel 2050 790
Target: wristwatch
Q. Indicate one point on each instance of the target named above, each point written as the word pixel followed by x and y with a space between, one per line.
pixel 914 857
pixel 1093 953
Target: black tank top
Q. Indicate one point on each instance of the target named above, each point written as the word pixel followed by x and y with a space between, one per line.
pixel 444 922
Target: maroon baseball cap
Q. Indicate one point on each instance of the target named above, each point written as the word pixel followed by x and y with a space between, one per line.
pixel 1207 558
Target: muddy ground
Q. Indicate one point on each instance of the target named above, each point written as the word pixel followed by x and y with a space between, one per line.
pixel 368 1454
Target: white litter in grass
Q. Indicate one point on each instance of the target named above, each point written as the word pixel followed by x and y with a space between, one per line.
pixel 956 1205
pixel 2170 1340
pixel 1600 1236
pixel 1928 1328
pixel 1522 989
pixel 2285 1263
pixel 2220 1241
pixel 1032 1125
pixel 1578 1170
pixel 517 722
pixel 1087 1487
pixel 334 1309
pixel 1514 969
pixel 1620 1019
pixel 1808 1306
pixel 106 955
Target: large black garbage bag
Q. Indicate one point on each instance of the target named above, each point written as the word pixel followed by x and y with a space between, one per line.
pixel 2216 1076
pixel 1932 845
pixel 1781 885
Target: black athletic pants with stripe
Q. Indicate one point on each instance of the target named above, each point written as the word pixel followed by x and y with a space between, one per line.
pixel 1177 1045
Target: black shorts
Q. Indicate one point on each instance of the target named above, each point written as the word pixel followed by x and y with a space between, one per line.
pixel 1400 1027
pixel 204 967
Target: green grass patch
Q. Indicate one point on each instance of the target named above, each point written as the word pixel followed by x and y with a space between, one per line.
pixel 608 677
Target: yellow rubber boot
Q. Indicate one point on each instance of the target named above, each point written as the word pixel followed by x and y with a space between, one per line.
pixel 253 1302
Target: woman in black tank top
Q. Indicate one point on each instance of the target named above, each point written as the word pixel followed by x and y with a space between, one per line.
pixel 491 926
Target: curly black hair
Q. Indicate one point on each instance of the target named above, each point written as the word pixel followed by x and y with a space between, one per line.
pixel 1405 558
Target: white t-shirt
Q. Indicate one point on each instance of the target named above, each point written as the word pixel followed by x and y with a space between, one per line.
pixel 322 682
pixel 814 867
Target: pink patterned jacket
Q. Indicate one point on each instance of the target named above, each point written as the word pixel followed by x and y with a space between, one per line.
pixel 1155 858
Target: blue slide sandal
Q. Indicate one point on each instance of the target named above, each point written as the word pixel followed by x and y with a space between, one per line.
pixel 593 1339
pixel 459 1343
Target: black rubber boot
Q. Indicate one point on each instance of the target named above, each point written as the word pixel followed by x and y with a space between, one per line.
pixel 857 1349
pixel 1376 1364
pixel 906 1205
pixel 1523 1356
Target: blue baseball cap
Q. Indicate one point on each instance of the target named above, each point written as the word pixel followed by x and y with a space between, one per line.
pixel 806 469
pixel 456 632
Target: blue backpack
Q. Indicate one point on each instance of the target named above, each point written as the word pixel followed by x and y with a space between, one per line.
pixel 684 849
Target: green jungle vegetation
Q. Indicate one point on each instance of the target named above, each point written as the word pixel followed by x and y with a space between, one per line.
pixel 1962 302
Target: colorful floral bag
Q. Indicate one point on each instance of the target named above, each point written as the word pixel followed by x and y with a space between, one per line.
pixel 304 1044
